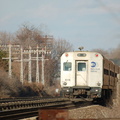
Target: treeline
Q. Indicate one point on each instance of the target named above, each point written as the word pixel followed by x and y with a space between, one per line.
pixel 112 54
pixel 29 35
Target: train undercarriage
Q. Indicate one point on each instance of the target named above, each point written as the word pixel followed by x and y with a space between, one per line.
pixel 100 96
pixel 80 92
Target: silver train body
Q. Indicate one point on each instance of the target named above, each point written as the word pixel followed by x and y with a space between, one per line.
pixel 87 75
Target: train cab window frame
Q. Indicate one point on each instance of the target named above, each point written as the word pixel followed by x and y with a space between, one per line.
pixel 67 66
pixel 81 67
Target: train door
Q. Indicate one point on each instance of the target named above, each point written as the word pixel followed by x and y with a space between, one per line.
pixel 81 73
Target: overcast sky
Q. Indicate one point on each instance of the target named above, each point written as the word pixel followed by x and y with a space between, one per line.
pixel 89 23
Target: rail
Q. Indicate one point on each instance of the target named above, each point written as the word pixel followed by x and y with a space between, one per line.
pixel 13 109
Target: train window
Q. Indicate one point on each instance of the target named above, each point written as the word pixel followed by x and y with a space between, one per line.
pixel 115 74
pixel 106 72
pixel 67 66
pixel 81 66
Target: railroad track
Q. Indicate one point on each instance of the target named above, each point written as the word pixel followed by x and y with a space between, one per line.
pixel 13 99
pixel 17 108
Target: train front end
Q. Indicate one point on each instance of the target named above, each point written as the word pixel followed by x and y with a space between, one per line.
pixel 81 74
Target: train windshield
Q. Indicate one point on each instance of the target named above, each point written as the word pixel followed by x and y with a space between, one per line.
pixel 67 66
pixel 81 66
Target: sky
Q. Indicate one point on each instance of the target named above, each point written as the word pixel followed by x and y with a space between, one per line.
pixel 93 24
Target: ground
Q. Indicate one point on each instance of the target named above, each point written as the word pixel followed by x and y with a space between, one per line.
pixel 97 111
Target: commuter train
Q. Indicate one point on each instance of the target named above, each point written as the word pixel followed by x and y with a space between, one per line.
pixel 88 75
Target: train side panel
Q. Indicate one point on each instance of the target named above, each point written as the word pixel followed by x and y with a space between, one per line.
pixel 110 74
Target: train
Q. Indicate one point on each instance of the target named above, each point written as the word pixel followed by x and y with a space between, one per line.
pixel 86 74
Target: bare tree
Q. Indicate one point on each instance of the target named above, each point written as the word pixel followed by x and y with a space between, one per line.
pixel 6 38
pixel 59 47
pixel 103 52
pixel 112 54
pixel 29 35
pixel 115 53
pixel 52 67
pixel 26 36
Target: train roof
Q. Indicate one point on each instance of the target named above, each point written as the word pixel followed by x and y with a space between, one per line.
pixel 95 53
pixel 85 52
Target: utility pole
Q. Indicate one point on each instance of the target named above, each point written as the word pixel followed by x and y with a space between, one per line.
pixel 29 66
pixel 37 65
pixel 8 48
pixel 43 64
pixel 42 58
pixel 29 60
pixel 21 66
pixel 10 64
pixel 42 77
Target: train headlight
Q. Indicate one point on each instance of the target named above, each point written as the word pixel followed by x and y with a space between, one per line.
pixel 67 90
pixel 64 83
pixel 98 84
pixel 96 90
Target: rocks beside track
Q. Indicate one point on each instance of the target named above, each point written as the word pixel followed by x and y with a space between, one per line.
pixel 94 112
pixel 97 111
